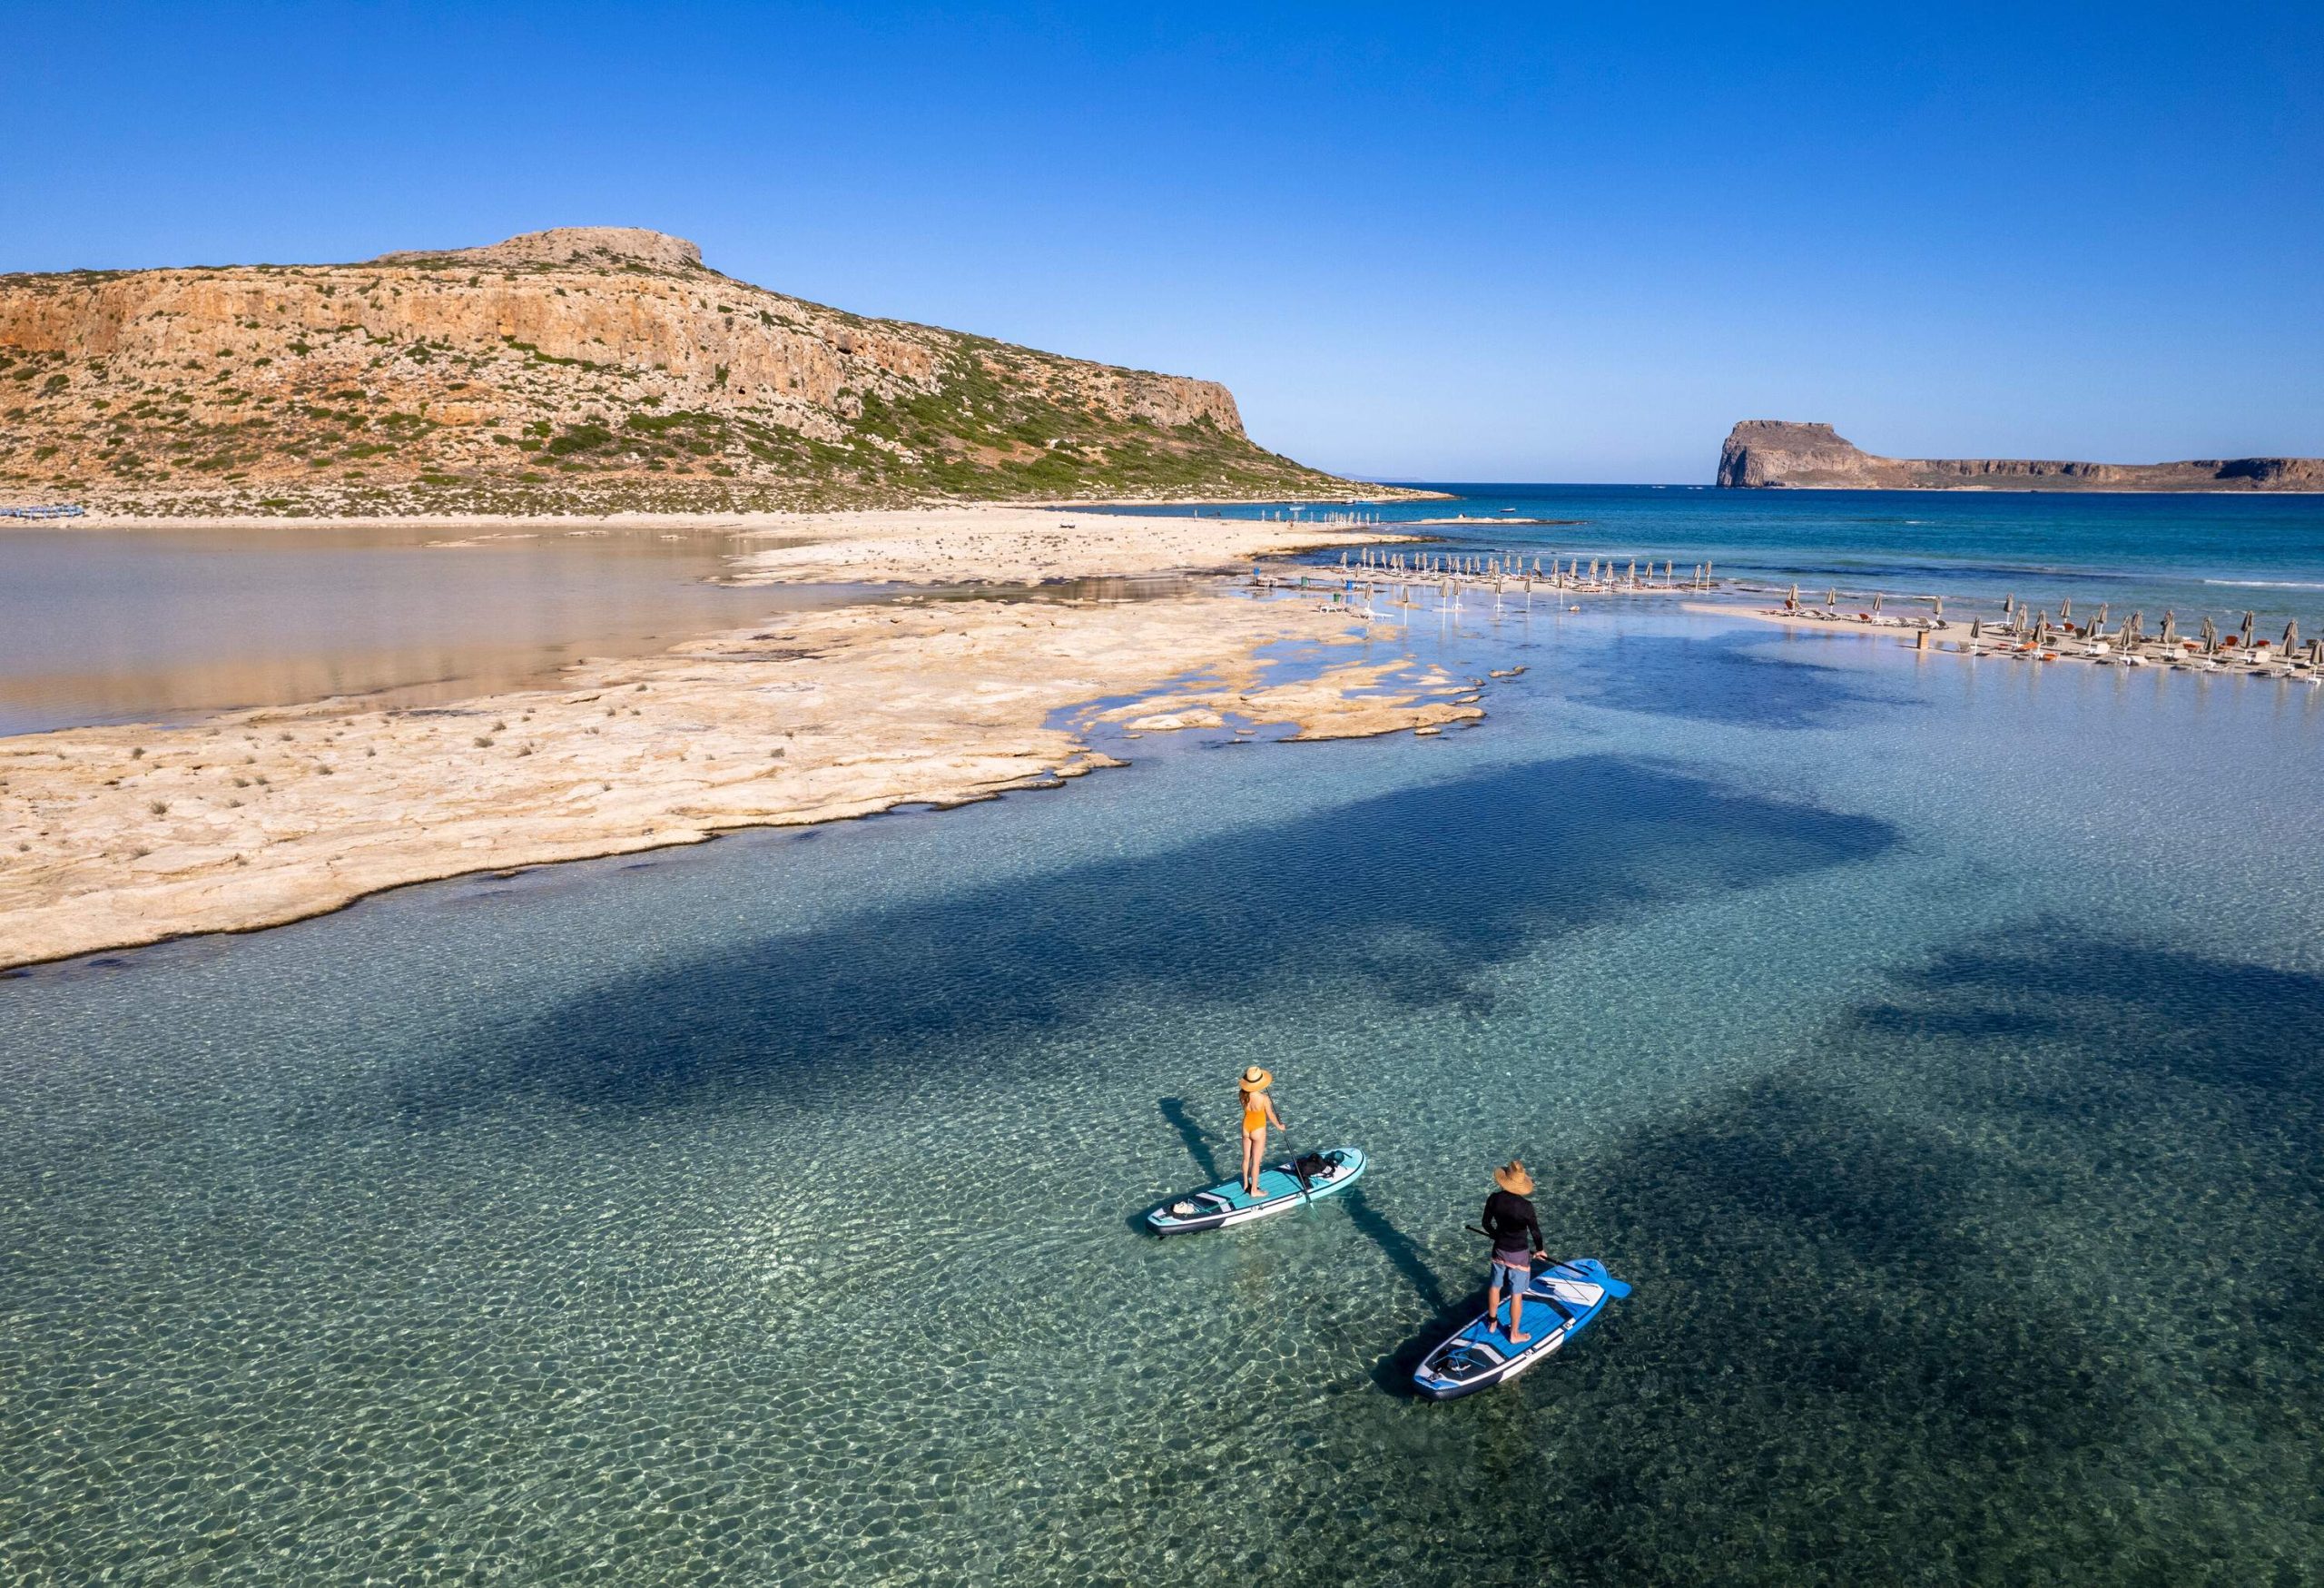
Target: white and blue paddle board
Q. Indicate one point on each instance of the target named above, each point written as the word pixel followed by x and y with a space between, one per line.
pixel 1562 1301
pixel 1280 1191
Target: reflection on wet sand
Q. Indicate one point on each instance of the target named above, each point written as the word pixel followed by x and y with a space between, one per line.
pixel 112 625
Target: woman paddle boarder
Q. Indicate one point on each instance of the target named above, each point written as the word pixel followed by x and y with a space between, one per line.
pixel 1258 1113
pixel 1516 1234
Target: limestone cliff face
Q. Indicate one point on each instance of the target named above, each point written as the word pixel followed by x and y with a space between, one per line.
pixel 1761 452
pixel 598 366
pixel 1781 453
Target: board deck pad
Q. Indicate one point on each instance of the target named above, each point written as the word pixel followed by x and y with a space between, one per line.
pixel 1562 1301
pixel 1227 1203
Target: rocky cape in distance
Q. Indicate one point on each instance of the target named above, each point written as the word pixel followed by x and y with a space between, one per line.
pixel 1766 453
pixel 580 370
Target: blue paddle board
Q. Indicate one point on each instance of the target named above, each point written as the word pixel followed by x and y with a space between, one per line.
pixel 1561 1302
pixel 1280 1191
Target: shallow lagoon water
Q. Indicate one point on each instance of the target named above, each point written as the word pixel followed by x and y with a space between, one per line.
pixel 102 624
pixel 1933 1044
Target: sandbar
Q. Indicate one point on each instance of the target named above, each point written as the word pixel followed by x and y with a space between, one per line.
pixel 123 835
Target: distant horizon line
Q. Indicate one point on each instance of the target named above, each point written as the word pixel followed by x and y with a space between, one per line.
pixel 1417 483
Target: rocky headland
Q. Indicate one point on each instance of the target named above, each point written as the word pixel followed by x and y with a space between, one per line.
pixel 583 369
pixel 1764 453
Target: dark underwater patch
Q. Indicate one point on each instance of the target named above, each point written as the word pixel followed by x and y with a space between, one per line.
pixel 1407 896
pixel 2016 1279
pixel 1738 680
pixel 2123 1001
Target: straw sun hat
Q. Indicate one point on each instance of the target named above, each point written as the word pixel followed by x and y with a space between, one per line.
pixel 1512 1177
pixel 1257 1080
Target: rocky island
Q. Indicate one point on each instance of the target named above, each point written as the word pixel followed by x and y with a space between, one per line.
pixel 1766 453
pixel 579 369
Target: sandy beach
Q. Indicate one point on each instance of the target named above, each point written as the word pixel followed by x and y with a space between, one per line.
pixel 1016 545
pixel 124 835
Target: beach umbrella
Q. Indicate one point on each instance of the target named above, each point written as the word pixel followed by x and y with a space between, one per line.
pixel 2246 631
pixel 2041 630
pixel 2009 606
pixel 1831 599
pixel 2101 614
pixel 2170 626
pixel 1875 603
pixel 1976 629
pixel 1633 574
pixel 2292 637
pixel 1791 602
pixel 1940 606
pixel 2065 609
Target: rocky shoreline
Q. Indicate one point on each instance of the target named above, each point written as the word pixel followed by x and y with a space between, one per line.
pixel 1776 454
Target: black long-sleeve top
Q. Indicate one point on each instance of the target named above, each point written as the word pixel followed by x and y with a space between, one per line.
pixel 1511 1221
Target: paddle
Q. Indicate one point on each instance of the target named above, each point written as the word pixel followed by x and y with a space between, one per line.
pixel 1306 1196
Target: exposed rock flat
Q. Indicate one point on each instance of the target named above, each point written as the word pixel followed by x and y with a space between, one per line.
pixel 125 835
pixel 1781 453
pixel 585 369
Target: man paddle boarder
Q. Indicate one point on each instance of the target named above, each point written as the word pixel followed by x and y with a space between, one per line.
pixel 1516 1233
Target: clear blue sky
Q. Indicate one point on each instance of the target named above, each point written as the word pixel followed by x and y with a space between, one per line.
pixel 1548 242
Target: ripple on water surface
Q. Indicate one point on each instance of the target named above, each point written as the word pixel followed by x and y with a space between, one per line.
pixel 764 1212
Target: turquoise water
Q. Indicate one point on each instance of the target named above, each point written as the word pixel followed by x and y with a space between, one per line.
pixel 2191 554
pixel 1933 1044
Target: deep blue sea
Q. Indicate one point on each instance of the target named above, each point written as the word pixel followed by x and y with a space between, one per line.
pixel 2194 554
pixel 1934 1043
